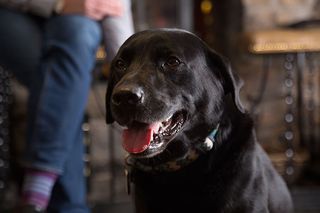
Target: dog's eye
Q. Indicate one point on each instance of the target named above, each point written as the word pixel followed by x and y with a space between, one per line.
pixel 172 62
pixel 121 65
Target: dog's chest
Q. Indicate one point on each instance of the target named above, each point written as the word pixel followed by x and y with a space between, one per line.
pixel 161 196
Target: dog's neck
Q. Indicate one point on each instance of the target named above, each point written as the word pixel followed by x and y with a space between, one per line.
pixel 191 155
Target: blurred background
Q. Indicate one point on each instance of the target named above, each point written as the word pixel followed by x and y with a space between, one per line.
pixel 273 45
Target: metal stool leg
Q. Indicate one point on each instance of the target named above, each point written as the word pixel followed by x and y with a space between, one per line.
pixel 5 100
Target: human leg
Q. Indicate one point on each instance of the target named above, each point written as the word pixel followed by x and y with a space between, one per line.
pixel 58 87
pixel 70 43
pixel 117 29
pixel 70 191
pixel 20 44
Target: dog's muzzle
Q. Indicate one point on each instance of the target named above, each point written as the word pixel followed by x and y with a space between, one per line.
pixel 147 131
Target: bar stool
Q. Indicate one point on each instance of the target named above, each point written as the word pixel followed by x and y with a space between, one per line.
pixel 297 46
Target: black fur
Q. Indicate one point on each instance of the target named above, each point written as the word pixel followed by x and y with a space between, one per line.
pixel 236 175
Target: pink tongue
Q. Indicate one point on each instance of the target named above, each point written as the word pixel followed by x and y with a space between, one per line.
pixel 138 139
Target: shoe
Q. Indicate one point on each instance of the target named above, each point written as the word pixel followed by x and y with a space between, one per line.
pixel 28 208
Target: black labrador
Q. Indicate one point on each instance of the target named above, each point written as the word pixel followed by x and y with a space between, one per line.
pixel 191 144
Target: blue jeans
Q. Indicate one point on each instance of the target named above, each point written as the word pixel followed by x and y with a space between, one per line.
pixel 53 58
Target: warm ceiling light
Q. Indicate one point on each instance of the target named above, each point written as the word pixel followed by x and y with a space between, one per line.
pixel 206 6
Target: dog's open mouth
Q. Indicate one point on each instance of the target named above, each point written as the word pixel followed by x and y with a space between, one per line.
pixel 140 137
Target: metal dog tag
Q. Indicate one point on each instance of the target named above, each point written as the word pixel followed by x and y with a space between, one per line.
pixel 127 173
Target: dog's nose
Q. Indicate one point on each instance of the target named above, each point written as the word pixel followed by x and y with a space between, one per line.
pixel 130 96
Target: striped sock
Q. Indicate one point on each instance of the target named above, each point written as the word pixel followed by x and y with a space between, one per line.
pixel 37 187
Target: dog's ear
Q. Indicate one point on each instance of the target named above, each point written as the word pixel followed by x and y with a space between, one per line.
pixel 231 82
pixel 109 118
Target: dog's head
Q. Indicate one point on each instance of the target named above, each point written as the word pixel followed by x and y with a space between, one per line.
pixel 167 88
